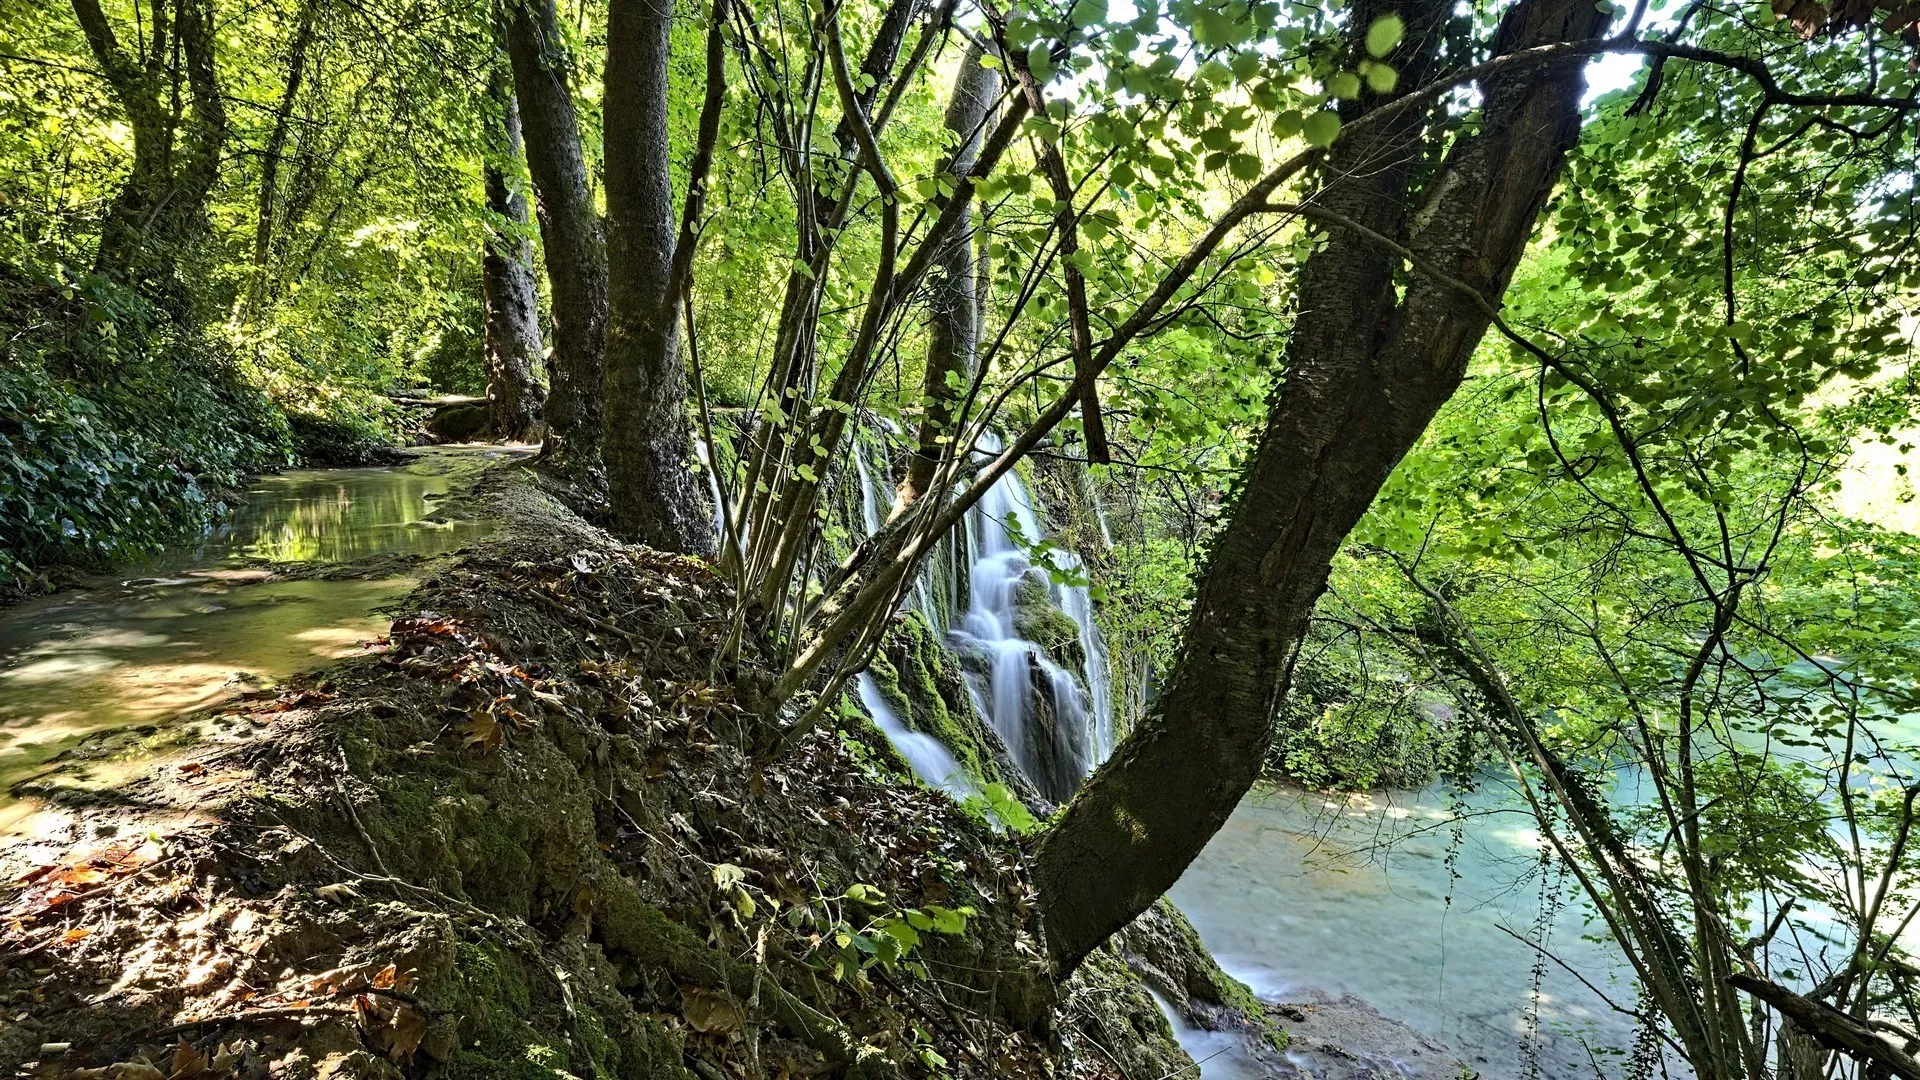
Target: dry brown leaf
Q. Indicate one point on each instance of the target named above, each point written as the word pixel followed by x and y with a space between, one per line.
pixel 76 934
pixel 187 1062
pixel 483 730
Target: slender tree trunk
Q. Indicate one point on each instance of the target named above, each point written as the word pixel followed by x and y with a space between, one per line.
pixel 570 236
pixel 161 209
pixel 649 444
pixel 953 309
pixel 512 299
pixel 259 288
pixel 1367 368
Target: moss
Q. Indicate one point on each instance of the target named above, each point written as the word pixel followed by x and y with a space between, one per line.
pixel 1110 1007
pixel 922 681
pixel 1036 619
pixel 505 1033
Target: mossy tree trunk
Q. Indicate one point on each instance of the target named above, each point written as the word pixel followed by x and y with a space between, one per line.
pixel 953 310
pixel 161 208
pixel 1367 367
pixel 506 275
pixel 570 235
pixel 655 496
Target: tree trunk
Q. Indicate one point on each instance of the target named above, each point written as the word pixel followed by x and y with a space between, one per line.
pixel 1367 369
pixel 162 207
pixel 655 497
pixel 953 308
pixel 512 300
pixel 570 236
pixel 258 289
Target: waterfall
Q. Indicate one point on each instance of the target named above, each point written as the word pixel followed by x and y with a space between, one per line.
pixel 713 485
pixel 870 511
pixel 932 762
pixel 1055 731
pixel 1056 728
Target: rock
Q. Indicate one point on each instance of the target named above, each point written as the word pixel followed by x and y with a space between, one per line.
pixel 460 422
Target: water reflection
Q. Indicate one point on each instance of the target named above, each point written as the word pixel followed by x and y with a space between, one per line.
pixel 235 610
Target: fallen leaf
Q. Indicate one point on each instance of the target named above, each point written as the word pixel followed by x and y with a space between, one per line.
pixel 483 731
pixel 187 1062
pixel 338 893
pixel 75 934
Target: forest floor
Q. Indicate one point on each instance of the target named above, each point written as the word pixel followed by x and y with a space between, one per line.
pixel 524 836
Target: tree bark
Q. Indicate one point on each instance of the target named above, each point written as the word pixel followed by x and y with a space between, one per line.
pixel 259 288
pixel 512 299
pixel 953 308
pixel 1367 368
pixel 570 237
pixel 161 208
pixel 655 497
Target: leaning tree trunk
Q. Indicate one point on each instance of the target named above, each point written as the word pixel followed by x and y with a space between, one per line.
pixel 953 307
pixel 649 445
pixel 1366 370
pixel 161 208
pixel 570 236
pixel 512 300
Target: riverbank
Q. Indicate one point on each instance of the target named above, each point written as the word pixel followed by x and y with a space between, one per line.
pixel 509 840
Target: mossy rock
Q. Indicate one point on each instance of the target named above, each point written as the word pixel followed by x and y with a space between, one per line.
pixel 1037 619
pixel 922 681
pixel 1112 1007
pixel 1164 949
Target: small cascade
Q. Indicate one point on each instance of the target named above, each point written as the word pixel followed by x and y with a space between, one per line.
pixel 713 489
pixel 870 509
pixel 932 762
pixel 1053 710
pixel 1056 730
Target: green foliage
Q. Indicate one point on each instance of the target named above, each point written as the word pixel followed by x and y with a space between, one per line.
pixel 997 804
pixel 109 467
pixel 861 929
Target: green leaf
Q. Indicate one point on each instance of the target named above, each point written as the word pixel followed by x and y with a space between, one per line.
pixel 1384 34
pixel 947 920
pixel 1382 78
pixel 1344 85
pixel 1322 127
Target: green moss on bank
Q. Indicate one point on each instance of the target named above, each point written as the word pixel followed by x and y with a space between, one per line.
pixel 923 683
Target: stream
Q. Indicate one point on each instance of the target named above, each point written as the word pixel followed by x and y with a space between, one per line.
pixel 1411 901
pixel 296 576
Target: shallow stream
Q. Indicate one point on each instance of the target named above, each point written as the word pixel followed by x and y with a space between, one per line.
pixel 295 577
pixel 1417 903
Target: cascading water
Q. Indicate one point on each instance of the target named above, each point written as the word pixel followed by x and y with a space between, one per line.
pixel 932 762
pixel 713 485
pixel 1056 728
